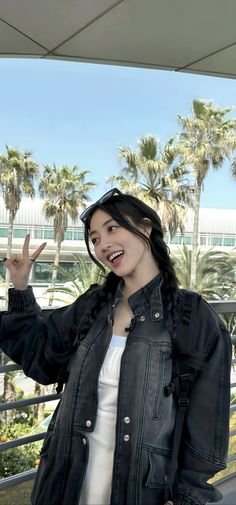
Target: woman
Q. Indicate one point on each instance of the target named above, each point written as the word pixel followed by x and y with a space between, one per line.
pixel 111 438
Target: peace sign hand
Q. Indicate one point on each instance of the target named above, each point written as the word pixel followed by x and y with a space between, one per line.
pixel 20 266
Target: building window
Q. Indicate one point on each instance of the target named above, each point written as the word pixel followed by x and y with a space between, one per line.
pixel 229 241
pixel 2 272
pixel 38 233
pixel 177 239
pixel 187 240
pixel 216 240
pixel 3 232
pixel 42 272
pixel 20 232
pixel 69 268
pixel 48 233
pixel 78 235
pixel 203 240
pixel 68 235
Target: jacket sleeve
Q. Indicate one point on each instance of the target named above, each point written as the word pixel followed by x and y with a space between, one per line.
pixel 42 347
pixel 206 431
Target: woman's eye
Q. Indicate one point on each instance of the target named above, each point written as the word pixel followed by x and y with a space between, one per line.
pixel 94 241
pixel 112 227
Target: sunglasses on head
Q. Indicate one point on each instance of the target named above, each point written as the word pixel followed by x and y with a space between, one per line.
pixel 87 212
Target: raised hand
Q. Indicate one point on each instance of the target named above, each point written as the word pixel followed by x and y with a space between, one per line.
pixel 20 266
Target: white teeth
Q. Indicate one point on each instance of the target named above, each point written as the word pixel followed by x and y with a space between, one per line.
pixel 114 255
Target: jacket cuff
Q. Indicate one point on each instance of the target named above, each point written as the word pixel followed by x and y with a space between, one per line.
pixel 184 500
pixel 21 300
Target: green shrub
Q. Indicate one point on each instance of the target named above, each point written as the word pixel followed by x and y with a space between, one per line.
pixel 21 458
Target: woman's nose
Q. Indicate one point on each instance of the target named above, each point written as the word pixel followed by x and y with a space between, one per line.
pixel 106 245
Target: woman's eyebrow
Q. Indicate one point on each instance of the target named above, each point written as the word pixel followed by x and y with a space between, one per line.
pixel 104 224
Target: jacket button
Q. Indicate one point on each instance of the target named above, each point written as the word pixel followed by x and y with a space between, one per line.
pixel 84 441
pixel 127 420
pixel 88 423
pixel 157 315
pixel 126 438
pixel 142 318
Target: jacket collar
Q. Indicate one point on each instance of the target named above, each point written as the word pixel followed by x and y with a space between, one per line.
pixel 146 298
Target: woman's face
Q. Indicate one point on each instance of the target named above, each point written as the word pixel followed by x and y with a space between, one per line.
pixel 120 250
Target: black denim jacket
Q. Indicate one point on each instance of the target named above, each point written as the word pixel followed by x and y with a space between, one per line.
pixel 143 446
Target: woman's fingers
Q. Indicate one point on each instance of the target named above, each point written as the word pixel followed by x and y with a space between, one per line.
pixel 38 251
pixel 25 250
pixel 16 260
pixel 20 266
pixel 13 260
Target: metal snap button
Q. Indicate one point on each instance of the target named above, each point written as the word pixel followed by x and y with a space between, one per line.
pixel 84 441
pixel 157 315
pixel 127 420
pixel 126 438
pixel 88 423
pixel 142 318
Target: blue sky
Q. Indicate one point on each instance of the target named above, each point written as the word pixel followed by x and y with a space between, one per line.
pixel 76 113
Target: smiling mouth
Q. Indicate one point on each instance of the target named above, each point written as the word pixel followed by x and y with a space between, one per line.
pixel 115 255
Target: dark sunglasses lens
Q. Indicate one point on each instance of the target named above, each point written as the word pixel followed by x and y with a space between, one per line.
pixel 87 212
pixel 107 195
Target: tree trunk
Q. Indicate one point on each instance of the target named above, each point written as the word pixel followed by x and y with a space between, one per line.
pixel 195 235
pixel 9 393
pixel 39 408
pixel 9 251
pixel 54 272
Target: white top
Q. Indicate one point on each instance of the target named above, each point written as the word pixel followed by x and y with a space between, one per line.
pixel 97 483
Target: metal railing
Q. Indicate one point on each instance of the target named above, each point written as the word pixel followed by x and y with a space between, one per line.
pixel 219 306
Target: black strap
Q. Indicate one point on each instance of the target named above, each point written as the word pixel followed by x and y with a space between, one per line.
pixel 182 385
pixel 182 379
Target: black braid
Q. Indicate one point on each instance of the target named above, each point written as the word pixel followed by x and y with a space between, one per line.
pixel 170 286
pixel 101 297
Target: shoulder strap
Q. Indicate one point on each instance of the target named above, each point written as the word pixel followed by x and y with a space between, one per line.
pixel 183 375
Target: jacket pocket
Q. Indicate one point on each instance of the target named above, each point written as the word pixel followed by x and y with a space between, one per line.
pixel 76 468
pixel 159 466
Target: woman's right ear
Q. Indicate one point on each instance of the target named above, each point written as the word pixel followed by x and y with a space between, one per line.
pixel 147 224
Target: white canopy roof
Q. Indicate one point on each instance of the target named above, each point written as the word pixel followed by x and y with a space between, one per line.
pixel 179 35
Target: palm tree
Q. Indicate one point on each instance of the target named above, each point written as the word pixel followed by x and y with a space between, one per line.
pixel 17 176
pixel 230 319
pixel 234 168
pixel 9 394
pixel 207 139
pixel 215 275
pixel 155 176
pixel 66 192
pixel 78 281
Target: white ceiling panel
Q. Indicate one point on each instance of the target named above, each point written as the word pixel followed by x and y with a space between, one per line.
pixel 14 43
pixel 49 22
pixel 223 63
pixel 173 36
